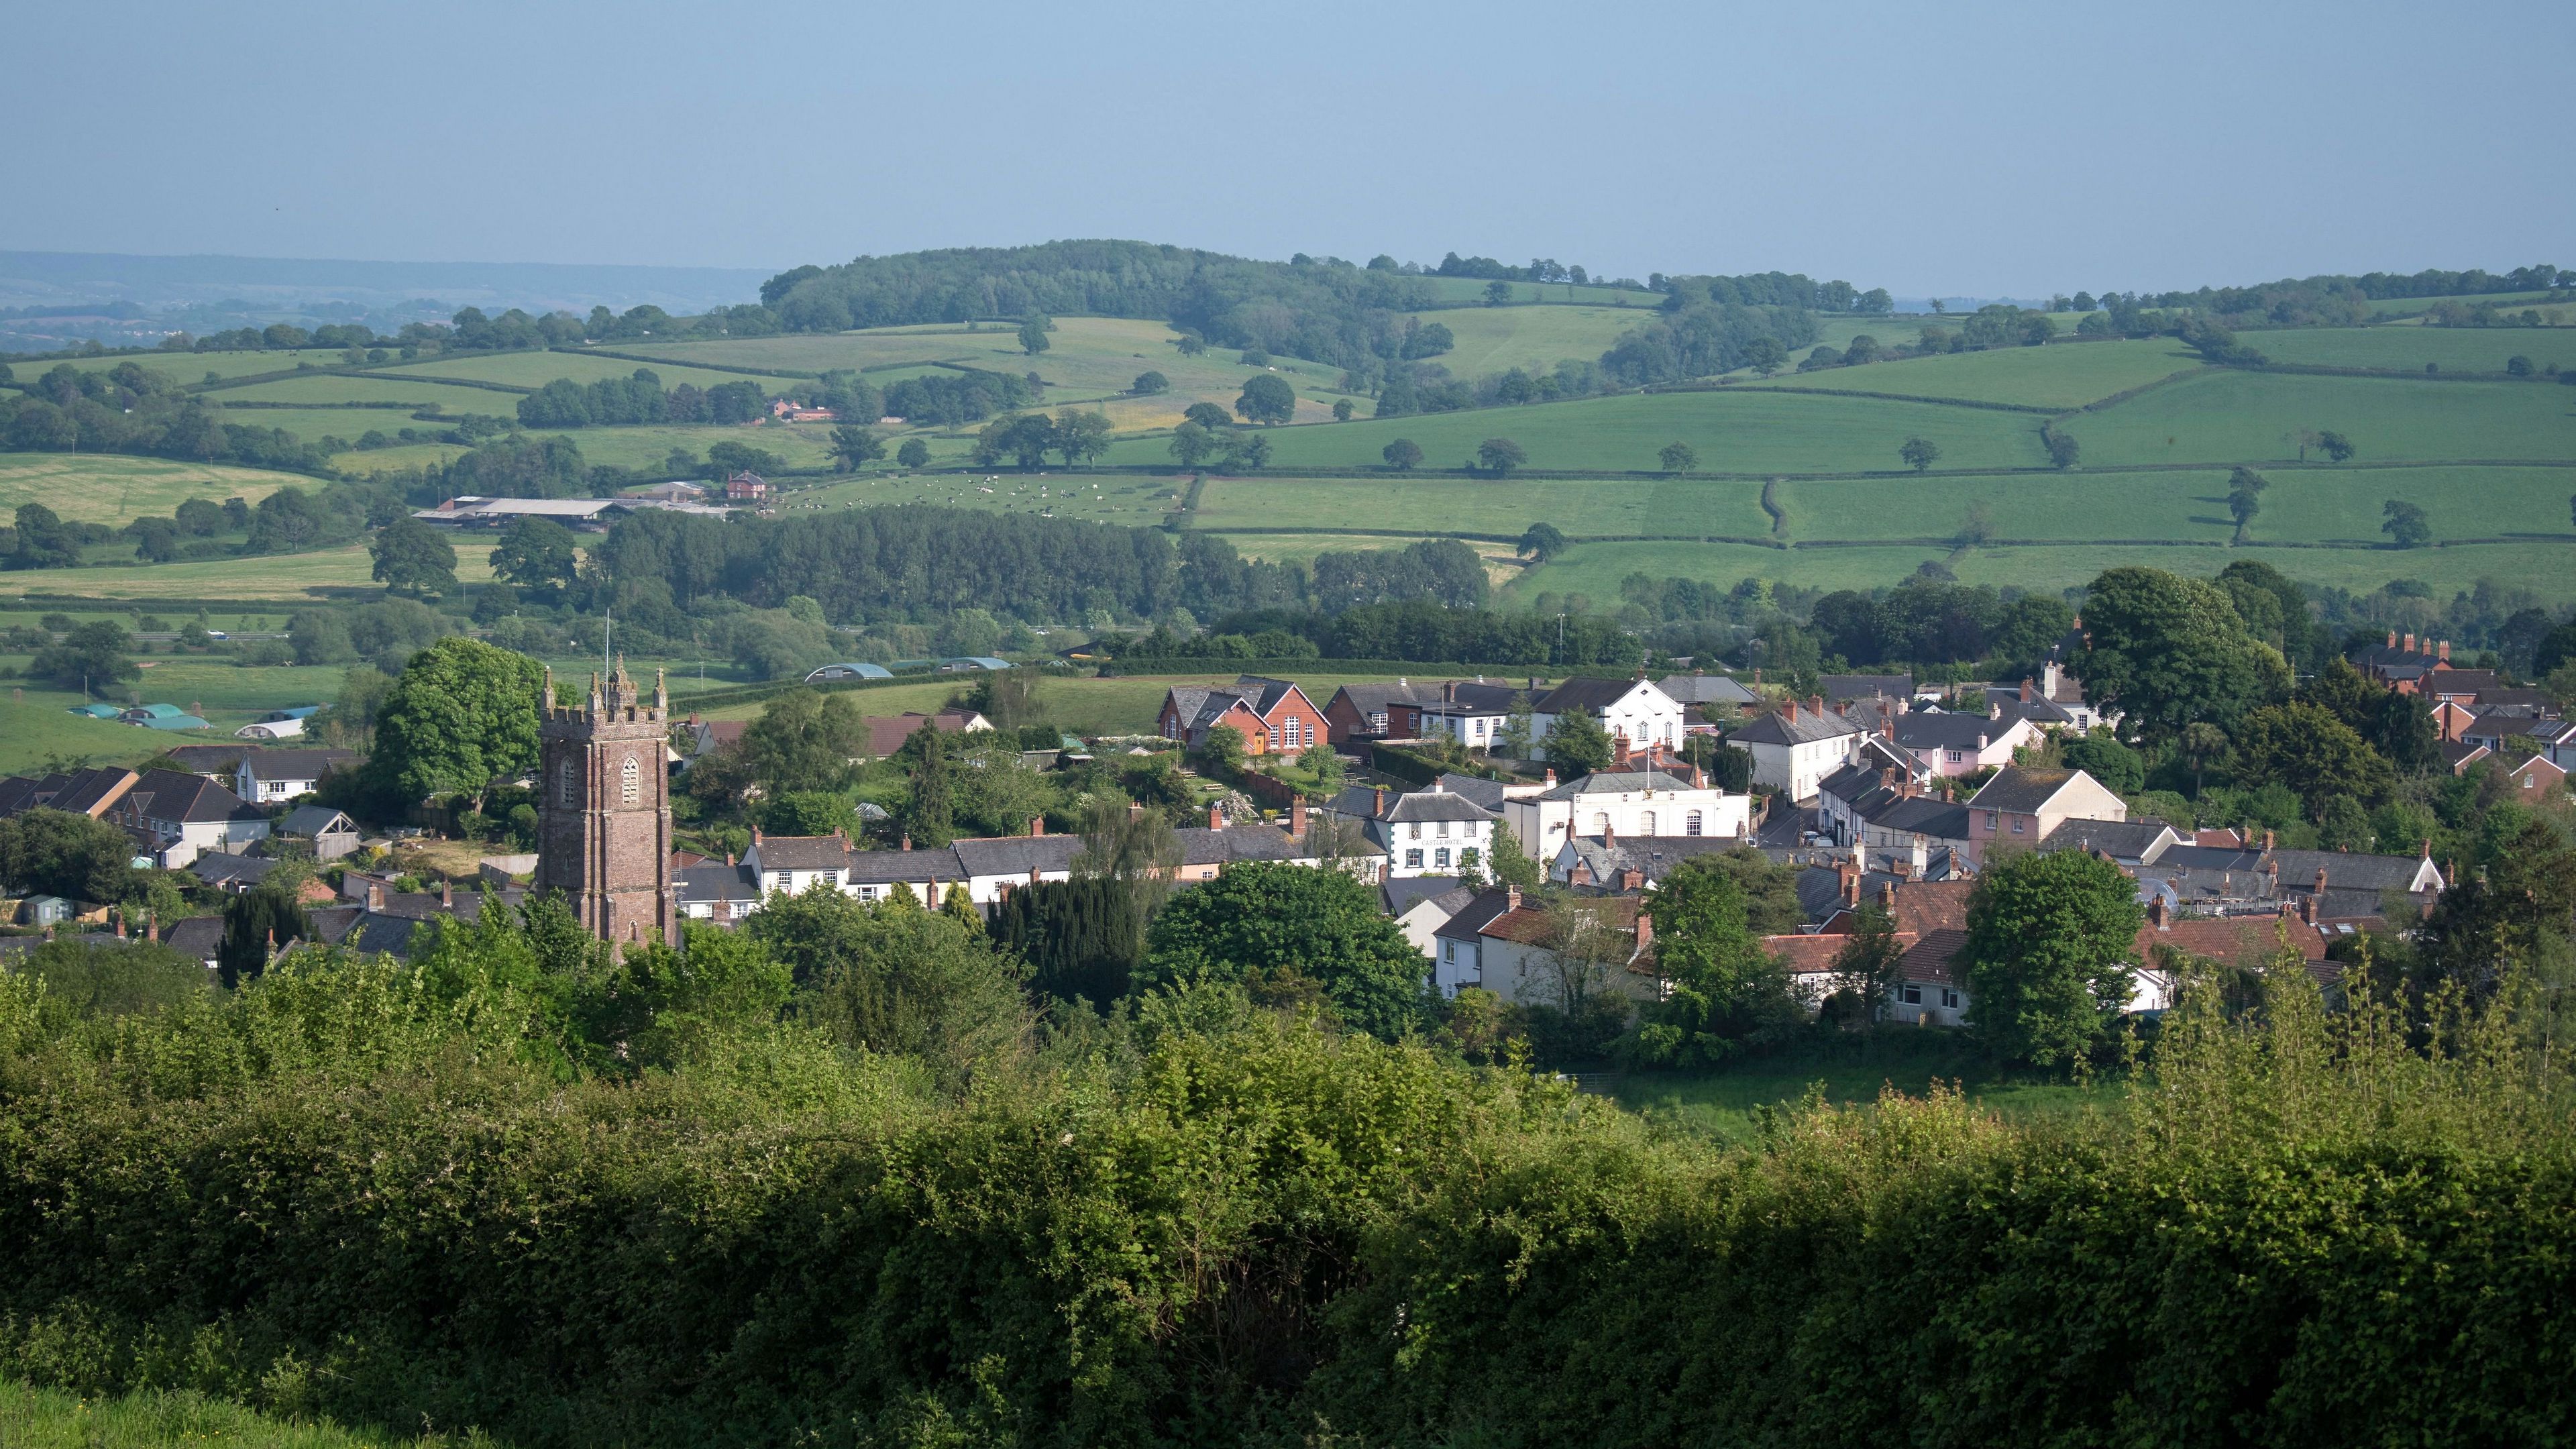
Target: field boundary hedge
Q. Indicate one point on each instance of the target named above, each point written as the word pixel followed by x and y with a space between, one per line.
pixel 684 362
pixel 1947 402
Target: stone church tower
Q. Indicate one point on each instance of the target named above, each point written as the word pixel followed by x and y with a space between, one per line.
pixel 604 823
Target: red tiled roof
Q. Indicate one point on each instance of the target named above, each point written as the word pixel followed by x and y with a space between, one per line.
pixel 2237 940
pixel 1529 925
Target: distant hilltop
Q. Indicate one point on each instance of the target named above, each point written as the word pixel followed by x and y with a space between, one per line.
pixel 288 284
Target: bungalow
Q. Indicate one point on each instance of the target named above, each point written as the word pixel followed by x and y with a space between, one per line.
pixel 1274 716
pixel 2021 806
pixel 1795 748
pixel 275 776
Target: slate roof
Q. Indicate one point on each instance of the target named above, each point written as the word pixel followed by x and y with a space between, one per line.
pixel 1921 815
pixel 2127 840
pixel 1706 689
pixel 1654 855
pixel 1585 694
pixel 312 820
pixel 1488 793
pixel 1929 731
pixel 209 759
pixel 1402 893
pixel 714 881
pixel 230 872
pixel 1017 855
pixel 885 867
pixel 196 937
pixel 188 799
pixel 2021 789
pixel 802 852
pixel 87 790
pixel 1807 729
pixel 1619 782
pixel 2345 869
pixel 1434 805
pixel 1374 698
pixel 1472 918
pixel 294 764
pixel 19 793
pixel 1865 686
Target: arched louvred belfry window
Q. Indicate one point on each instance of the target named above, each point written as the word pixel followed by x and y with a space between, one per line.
pixel 630 782
pixel 568 783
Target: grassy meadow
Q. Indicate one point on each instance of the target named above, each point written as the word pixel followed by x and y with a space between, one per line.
pixel 339 387
pixel 1744 430
pixel 2050 505
pixel 115 490
pixel 324 573
pixel 1495 339
pixel 34 1418
pixel 536 369
pixel 2234 416
pixel 1503 506
pixel 1471 289
pixel 2410 349
pixel 1727 1105
pixel 190 368
pixel 2065 375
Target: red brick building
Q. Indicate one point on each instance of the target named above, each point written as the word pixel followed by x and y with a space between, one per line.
pixel 1273 715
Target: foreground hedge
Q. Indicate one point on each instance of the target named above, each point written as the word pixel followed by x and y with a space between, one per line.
pixel 346 1189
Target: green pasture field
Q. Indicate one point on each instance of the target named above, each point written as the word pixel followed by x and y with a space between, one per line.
pixel 2311 504
pixel 114 490
pixel 2417 306
pixel 536 369
pixel 36 721
pixel 190 368
pixel 2234 416
pixel 1853 1072
pixel 32 1418
pixel 1837 331
pixel 1302 547
pixel 1734 431
pixel 1472 289
pixel 1596 568
pixel 1496 339
pixel 2408 349
pixel 2067 375
pixel 348 388
pixel 822 352
pixel 321 574
pixel 399 458
pixel 645 446
pixel 1136 502
pixel 2074 505
pixel 1504 506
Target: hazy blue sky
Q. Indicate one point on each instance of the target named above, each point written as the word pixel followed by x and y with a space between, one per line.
pixel 1964 149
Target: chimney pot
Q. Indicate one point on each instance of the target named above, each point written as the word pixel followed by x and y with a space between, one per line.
pixel 1887 894
pixel 2444 651
pixel 2410 643
pixel 1550 777
pixel 2392 638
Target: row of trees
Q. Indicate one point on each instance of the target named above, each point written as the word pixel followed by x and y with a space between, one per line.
pixel 640 398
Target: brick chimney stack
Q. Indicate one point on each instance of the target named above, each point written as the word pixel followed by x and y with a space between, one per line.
pixel 2321 880
pixel 2443 651
pixel 2308 910
pixel 375 895
pixel 2025 689
pixel 447 895
pixel 1511 898
pixel 2156 911
pixel 1037 826
pixel 1789 711
pixel 1645 930
pixel 1216 817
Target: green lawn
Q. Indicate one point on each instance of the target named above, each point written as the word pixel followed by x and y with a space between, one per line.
pixel 2233 416
pixel 1495 339
pixel 33 1418
pixel 2408 349
pixel 1742 430
pixel 112 489
pixel 1477 505
pixel 281 576
pixel 1852 1072
pixel 536 369
pixel 2067 375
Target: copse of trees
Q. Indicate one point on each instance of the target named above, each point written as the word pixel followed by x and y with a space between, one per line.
pixel 1701 339
pixel 639 398
pixel 130 409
